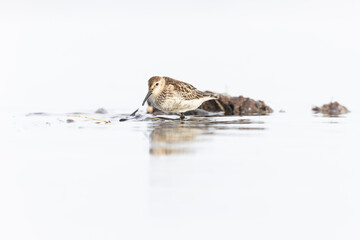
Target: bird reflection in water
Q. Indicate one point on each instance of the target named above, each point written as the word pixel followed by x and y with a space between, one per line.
pixel 175 137
pixel 168 138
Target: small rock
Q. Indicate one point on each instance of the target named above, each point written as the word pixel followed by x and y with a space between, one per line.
pixel 70 121
pixel 101 111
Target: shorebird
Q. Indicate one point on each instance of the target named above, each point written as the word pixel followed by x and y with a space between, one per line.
pixel 173 96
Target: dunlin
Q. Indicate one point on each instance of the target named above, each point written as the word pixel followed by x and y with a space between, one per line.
pixel 173 96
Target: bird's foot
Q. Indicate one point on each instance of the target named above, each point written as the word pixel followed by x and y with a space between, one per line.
pixel 182 116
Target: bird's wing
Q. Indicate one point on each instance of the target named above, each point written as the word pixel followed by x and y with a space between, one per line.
pixel 188 92
pixel 184 90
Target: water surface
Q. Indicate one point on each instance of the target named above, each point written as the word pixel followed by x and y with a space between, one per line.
pixel 286 175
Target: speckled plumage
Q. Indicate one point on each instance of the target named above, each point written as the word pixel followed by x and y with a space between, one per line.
pixel 173 96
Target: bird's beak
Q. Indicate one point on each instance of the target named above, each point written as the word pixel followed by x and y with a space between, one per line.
pixel 147 96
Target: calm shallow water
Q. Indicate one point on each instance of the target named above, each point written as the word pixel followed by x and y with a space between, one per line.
pixel 283 176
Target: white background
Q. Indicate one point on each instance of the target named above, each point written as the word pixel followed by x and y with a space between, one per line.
pixel 71 55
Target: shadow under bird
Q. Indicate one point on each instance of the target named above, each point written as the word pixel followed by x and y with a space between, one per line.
pixel 173 96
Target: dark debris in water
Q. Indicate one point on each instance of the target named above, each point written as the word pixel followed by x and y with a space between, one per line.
pixel 331 109
pixel 133 116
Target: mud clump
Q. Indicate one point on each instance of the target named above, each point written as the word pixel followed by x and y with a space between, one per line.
pixel 236 106
pixel 228 105
pixel 331 109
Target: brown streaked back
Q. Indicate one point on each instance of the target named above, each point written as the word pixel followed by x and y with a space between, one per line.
pixel 185 90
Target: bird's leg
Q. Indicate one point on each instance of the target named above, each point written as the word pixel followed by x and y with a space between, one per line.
pixel 182 116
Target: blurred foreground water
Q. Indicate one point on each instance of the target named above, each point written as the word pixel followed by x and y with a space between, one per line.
pixel 283 176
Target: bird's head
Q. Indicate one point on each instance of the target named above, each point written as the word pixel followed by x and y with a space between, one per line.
pixel 156 86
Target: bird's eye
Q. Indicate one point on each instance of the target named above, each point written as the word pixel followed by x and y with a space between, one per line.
pixel 157 84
